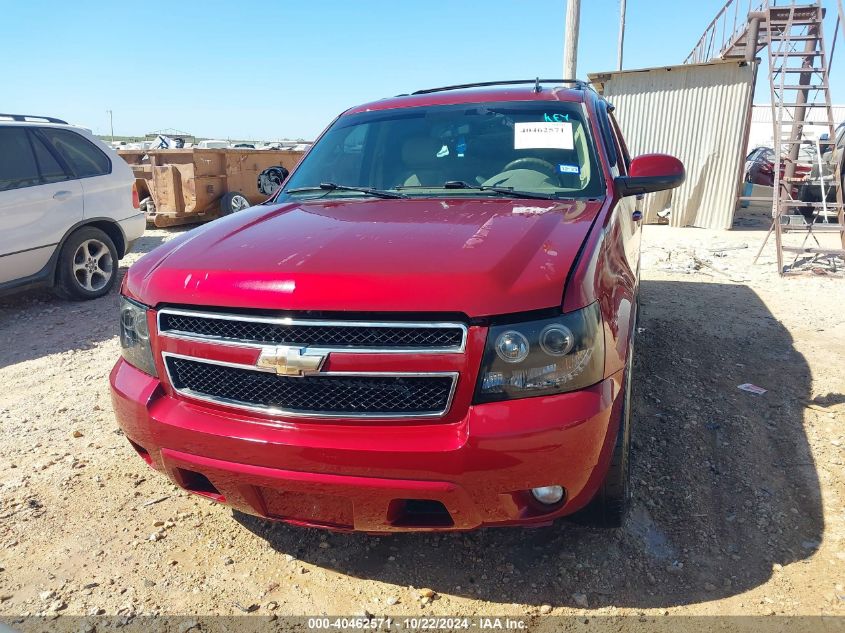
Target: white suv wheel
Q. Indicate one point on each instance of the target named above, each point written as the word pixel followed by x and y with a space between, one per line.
pixel 87 266
pixel 93 265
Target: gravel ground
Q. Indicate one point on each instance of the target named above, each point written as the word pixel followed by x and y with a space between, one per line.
pixel 738 501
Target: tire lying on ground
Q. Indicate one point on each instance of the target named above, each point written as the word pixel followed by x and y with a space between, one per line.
pixel 233 202
pixel 87 266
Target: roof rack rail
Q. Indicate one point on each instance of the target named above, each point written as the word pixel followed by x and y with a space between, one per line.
pixel 579 84
pixel 30 117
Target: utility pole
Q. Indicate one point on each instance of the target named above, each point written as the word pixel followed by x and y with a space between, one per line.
pixel 111 124
pixel 621 31
pixel 570 48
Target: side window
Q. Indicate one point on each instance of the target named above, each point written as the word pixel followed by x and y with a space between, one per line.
pixel 48 166
pixel 17 162
pixel 620 144
pixel 607 134
pixel 85 158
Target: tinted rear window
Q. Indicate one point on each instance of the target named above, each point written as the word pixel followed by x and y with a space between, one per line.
pixel 49 167
pixel 17 163
pixel 85 158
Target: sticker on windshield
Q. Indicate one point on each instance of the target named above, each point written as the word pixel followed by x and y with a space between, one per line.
pixel 569 169
pixel 531 210
pixel 554 135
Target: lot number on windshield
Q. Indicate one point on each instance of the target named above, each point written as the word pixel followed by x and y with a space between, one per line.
pixel 537 135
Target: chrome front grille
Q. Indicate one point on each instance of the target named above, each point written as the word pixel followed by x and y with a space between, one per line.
pixel 335 394
pixel 279 382
pixel 375 337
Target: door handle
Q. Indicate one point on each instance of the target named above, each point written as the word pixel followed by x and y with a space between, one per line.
pixel 62 195
pixel 636 216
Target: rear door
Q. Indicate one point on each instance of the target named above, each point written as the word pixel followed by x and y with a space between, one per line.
pixel 39 202
pixel 107 187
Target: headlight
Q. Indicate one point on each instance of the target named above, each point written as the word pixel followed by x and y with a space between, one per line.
pixel 537 358
pixel 135 336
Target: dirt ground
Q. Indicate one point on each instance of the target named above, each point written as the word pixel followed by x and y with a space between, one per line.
pixel 739 498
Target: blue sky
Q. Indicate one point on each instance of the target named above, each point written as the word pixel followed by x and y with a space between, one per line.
pixel 279 68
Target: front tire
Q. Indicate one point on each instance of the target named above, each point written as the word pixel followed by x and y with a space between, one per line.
pixel 87 266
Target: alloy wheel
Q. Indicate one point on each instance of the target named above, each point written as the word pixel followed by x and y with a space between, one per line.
pixel 93 265
pixel 239 203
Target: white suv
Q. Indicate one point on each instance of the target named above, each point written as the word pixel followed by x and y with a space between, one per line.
pixel 68 208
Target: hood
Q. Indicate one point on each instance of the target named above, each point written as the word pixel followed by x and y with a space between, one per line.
pixel 476 257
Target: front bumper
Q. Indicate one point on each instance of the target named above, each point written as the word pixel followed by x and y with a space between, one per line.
pixel 380 476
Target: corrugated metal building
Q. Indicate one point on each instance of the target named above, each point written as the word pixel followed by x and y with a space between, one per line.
pixel 697 112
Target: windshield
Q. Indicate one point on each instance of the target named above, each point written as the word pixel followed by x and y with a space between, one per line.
pixel 542 148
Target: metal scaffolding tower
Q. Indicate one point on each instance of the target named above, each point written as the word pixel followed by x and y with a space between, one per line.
pixel 793 36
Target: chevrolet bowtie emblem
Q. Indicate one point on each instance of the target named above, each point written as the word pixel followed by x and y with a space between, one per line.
pixel 291 361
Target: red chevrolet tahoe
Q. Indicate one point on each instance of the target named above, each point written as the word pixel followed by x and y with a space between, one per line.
pixel 429 327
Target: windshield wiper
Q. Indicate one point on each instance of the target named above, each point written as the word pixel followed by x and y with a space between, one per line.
pixel 330 186
pixel 504 191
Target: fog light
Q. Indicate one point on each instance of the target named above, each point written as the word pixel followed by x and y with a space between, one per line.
pixel 548 494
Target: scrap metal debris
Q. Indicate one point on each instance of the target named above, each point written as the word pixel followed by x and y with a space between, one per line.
pixel 747 386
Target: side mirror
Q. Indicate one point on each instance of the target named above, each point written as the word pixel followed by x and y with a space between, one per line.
pixel 649 173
